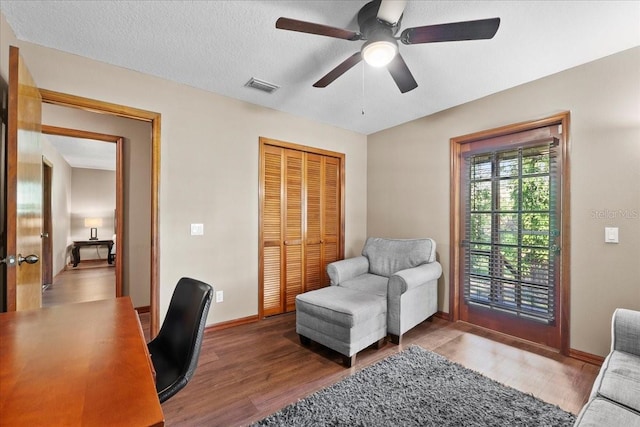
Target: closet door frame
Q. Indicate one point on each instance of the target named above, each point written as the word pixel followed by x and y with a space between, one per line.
pixel 266 142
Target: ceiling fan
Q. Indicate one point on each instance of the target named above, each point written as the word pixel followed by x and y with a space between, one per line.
pixel 379 22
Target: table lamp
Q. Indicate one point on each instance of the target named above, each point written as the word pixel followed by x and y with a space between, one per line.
pixel 93 223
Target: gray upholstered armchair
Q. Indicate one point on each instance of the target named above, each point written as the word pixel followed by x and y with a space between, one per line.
pixel 406 271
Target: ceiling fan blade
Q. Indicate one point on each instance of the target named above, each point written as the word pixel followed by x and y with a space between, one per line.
pixel 455 31
pixel 390 11
pixel 345 66
pixel 401 74
pixel 319 29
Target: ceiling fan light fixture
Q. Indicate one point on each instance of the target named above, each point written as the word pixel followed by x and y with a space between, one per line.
pixel 379 53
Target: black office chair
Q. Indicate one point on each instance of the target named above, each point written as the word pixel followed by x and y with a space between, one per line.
pixel 175 351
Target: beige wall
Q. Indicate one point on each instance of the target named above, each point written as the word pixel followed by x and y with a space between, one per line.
pixel 60 204
pixel 209 169
pixel 408 181
pixel 93 195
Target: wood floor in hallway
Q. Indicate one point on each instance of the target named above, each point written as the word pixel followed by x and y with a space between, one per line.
pixel 81 284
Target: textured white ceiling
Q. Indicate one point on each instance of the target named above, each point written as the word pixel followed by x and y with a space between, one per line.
pixel 85 153
pixel 219 45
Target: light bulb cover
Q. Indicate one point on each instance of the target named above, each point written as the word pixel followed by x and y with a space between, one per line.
pixel 379 53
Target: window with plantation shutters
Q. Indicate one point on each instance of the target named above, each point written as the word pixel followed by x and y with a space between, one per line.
pixel 510 232
pixel 301 213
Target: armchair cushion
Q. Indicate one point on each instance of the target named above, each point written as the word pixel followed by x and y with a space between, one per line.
pixel 367 282
pixel 387 256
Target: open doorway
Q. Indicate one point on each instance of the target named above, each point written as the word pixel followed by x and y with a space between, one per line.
pixel 86 186
pixel 150 223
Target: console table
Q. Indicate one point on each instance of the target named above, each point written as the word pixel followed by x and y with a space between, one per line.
pixel 77 244
pixel 77 364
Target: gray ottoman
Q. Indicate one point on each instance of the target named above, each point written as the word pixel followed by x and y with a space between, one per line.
pixel 342 319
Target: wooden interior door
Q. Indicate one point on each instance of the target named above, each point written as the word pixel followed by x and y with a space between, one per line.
pixel 24 187
pixel 322 218
pixel 313 217
pixel 293 227
pixel 332 205
pixel 271 243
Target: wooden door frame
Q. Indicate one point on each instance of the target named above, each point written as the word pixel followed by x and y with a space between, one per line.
pixel 4 100
pixel 457 145
pixel 101 107
pixel 47 220
pixel 119 141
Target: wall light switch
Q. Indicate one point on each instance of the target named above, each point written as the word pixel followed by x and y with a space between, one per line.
pixel 611 234
pixel 197 229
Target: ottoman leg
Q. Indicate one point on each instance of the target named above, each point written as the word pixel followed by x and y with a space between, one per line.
pixel 349 361
pixel 304 340
pixel 381 342
pixel 395 339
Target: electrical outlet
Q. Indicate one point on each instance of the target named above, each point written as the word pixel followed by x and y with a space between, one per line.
pixel 219 296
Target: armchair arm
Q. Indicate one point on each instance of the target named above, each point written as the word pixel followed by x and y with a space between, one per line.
pixel 346 269
pixel 410 278
pixel 625 331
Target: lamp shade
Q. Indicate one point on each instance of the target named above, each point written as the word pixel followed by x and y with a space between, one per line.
pixel 93 222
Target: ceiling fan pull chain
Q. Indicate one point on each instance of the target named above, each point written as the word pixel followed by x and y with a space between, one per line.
pixel 363 88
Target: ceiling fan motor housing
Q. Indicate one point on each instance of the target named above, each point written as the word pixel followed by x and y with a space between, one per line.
pixel 373 28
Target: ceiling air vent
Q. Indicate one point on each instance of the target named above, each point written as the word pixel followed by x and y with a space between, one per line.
pixel 262 85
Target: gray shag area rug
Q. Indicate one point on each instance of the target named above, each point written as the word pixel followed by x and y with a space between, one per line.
pixel 419 388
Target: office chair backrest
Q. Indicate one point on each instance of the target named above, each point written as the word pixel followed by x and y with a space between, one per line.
pixel 176 349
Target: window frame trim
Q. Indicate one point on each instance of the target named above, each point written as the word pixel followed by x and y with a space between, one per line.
pixel 460 145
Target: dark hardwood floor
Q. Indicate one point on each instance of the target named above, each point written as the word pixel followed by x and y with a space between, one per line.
pixel 250 371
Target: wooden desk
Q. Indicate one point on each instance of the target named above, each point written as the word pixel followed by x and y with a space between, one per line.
pixel 77 244
pixel 78 364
